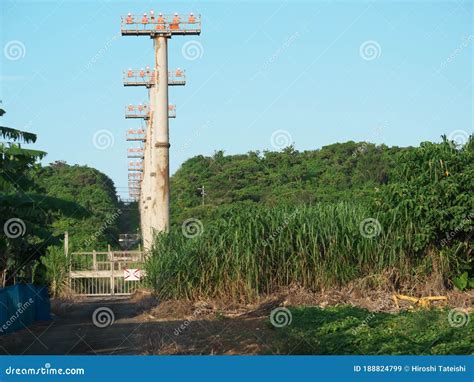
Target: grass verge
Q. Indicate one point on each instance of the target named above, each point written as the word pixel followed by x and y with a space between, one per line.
pixel 347 330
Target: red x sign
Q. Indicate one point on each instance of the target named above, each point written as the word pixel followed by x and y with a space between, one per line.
pixel 131 274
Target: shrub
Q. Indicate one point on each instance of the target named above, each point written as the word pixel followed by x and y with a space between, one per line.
pixel 57 269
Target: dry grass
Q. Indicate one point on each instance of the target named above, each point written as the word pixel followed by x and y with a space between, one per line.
pixel 61 305
pixel 355 294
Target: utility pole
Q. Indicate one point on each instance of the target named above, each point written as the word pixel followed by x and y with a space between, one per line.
pixel 202 190
pixel 66 243
pixel 154 193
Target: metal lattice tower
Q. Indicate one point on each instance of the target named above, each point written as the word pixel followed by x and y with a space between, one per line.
pixel 149 174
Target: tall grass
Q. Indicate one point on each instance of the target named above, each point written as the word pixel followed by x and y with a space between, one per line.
pixel 57 270
pixel 245 252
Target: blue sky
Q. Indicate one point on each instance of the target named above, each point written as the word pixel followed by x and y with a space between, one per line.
pixel 312 73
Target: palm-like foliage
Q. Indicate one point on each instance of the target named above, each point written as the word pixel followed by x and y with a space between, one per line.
pixel 418 226
pixel 20 201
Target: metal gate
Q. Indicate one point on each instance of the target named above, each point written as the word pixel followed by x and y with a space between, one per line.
pixel 106 273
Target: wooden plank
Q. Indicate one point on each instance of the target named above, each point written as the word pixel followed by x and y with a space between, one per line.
pixel 90 274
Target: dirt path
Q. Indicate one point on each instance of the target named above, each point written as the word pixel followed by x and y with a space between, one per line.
pixel 136 332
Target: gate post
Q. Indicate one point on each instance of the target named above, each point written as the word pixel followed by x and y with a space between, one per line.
pixel 112 268
pixel 94 260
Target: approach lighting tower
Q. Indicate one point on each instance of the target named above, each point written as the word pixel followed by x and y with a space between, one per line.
pixel 154 192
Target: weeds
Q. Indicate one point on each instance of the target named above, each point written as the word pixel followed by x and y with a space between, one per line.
pixel 246 252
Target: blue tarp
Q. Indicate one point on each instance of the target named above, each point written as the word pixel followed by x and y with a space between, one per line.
pixel 21 305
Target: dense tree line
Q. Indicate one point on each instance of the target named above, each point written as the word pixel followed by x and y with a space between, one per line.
pixel 91 190
pixel 426 188
pixel 320 219
pixel 38 204
pixel 339 172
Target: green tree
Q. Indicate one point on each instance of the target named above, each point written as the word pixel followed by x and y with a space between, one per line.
pixel 89 189
pixel 24 212
pixel 431 186
pixel 340 172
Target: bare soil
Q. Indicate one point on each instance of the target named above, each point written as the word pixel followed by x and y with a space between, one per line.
pixel 170 330
pixel 143 325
